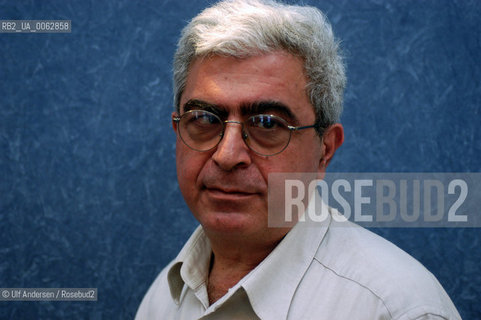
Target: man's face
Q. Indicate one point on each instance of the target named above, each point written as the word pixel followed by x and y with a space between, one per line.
pixel 226 187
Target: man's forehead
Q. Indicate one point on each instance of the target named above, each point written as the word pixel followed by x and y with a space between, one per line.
pixel 270 65
pixel 251 85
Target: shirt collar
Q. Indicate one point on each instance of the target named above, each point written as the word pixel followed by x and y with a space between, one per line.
pixel 191 266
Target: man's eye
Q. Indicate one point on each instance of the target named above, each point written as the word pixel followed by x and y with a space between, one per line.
pixel 266 122
pixel 205 119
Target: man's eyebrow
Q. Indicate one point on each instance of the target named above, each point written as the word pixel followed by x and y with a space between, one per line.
pixel 195 104
pixel 268 106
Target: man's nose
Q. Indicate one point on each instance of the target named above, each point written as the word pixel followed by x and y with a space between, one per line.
pixel 232 151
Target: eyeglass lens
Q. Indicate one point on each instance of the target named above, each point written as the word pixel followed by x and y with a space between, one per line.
pixel 265 134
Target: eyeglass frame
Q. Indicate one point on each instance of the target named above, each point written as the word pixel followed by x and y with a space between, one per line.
pixel 244 134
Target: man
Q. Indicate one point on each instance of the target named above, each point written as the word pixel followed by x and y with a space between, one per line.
pixel 258 89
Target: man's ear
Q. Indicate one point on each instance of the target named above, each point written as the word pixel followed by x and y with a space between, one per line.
pixel 332 139
pixel 174 123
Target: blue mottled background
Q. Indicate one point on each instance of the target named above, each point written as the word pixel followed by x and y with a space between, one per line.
pixel 88 191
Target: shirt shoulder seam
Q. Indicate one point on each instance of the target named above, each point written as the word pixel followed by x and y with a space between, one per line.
pixel 358 283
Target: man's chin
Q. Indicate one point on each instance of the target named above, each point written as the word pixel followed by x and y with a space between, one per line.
pixel 230 223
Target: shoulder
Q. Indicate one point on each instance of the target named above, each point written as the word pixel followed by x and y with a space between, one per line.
pixel 159 291
pixel 374 270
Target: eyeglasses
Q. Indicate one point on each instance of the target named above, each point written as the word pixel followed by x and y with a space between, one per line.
pixel 264 134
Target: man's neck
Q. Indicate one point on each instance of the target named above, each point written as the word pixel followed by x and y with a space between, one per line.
pixel 229 264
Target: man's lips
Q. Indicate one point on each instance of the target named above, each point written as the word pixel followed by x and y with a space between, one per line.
pixel 230 191
pixel 234 185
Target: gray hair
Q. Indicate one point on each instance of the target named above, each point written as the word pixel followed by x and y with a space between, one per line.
pixel 244 28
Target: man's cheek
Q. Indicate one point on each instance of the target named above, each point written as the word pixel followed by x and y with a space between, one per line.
pixel 188 175
pixel 183 159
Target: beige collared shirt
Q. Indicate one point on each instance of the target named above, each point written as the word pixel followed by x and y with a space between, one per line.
pixel 330 270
